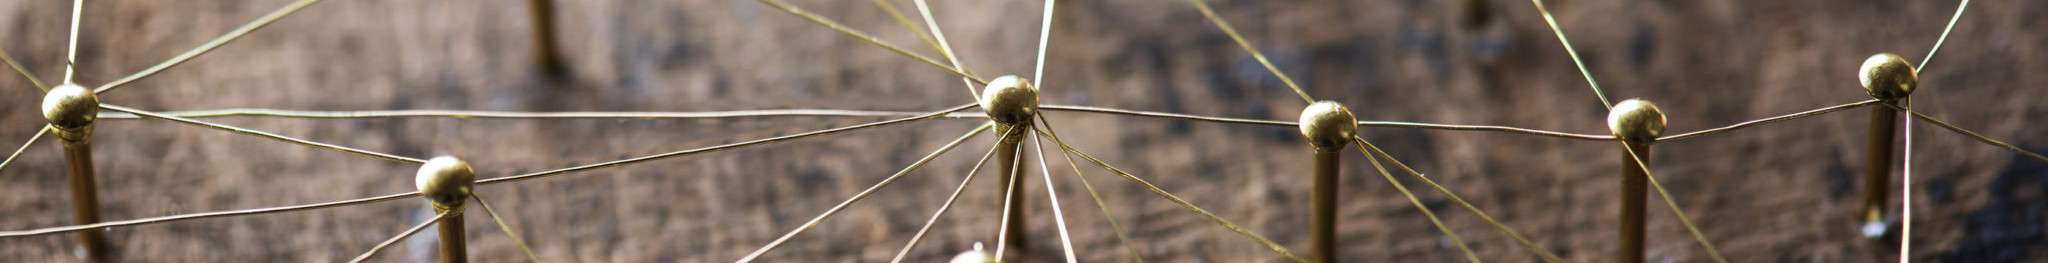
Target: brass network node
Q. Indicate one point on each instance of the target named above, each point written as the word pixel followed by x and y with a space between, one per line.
pixel 973 256
pixel 71 109
pixel 1010 100
pixel 445 181
pixel 1636 120
pixel 1328 125
pixel 1888 77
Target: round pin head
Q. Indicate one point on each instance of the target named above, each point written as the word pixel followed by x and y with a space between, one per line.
pixel 1888 77
pixel 973 256
pixel 1636 120
pixel 446 181
pixel 1010 100
pixel 1328 125
pixel 71 107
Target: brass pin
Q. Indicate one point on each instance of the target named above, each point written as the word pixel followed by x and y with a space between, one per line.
pixel 1011 102
pixel 973 256
pixel 71 109
pixel 1889 79
pixel 445 182
pixel 1637 123
pixel 545 51
pixel 1328 126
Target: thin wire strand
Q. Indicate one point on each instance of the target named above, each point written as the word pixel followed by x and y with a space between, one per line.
pixel 1971 134
pixel 1488 128
pixel 1673 204
pixel 1247 45
pixel 18 69
pixel 1092 109
pixel 264 134
pixel 1446 192
pixel 1121 236
pixel 1906 191
pixel 24 146
pixel 183 217
pixel 721 147
pixel 843 29
pixel 401 236
pixel 863 194
pixel 475 114
pixel 1426 213
pixel 905 252
pixel 1051 192
pixel 1275 123
pixel 71 51
pixel 1944 35
pixel 252 26
pixel 1567 42
pixel 1044 34
pixel 507 227
pixel 945 48
pixel 1270 245
pixel 1803 114
pixel 904 21
pixel 1003 229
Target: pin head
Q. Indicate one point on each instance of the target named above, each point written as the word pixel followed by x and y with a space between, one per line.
pixel 72 109
pixel 1888 77
pixel 1010 100
pixel 1328 125
pixel 446 181
pixel 1636 120
pixel 973 256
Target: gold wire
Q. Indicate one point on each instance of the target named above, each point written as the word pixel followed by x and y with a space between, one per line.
pixel 252 26
pixel 1003 229
pixel 945 47
pixel 1803 114
pixel 1417 202
pixel 1275 123
pixel 856 34
pixel 1668 202
pixel 1044 34
pixel 1440 189
pixel 474 114
pixel 1059 219
pixel 1247 45
pixel 905 252
pixel 1567 42
pixel 401 236
pixel 863 194
pixel 264 134
pixel 183 217
pixel 1270 245
pixel 1971 134
pixel 18 69
pixel 1121 237
pixel 507 227
pixel 926 38
pixel 71 52
pixel 24 146
pixel 1944 34
pixel 721 147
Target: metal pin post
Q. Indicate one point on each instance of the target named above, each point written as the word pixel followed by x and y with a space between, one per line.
pixel 545 52
pixel 1637 123
pixel 1889 79
pixel 71 109
pixel 1328 126
pixel 446 182
pixel 1011 102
